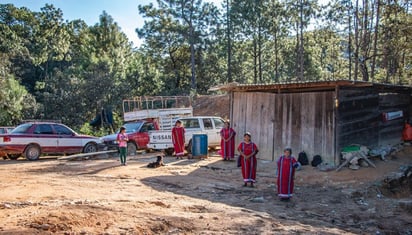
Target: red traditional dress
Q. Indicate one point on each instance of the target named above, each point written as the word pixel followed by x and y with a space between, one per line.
pixel 178 139
pixel 286 173
pixel 249 165
pixel 227 143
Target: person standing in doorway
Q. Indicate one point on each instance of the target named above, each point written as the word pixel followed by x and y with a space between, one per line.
pixel 122 140
pixel 248 150
pixel 285 174
pixel 178 139
pixel 227 142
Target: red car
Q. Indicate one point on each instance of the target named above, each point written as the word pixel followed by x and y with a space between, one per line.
pixel 137 133
pixel 36 138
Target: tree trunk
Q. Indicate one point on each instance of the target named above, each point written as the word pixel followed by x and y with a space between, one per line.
pixel 350 40
pixel 297 51
pixel 356 26
pixel 229 44
pixel 375 41
pixel 255 70
pixel 260 52
pixel 365 42
pixel 301 49
pixel 192 58
pixel 276 57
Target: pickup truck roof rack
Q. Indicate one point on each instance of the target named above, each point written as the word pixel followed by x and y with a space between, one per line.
pixel 167 109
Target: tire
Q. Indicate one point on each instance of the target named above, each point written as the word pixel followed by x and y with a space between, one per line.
pixel 13 156
pixel 131 149
pixel 90 148
pixel 32 152
pixel 189 147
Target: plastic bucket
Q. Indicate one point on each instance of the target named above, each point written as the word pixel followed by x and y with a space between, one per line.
pixel 199 145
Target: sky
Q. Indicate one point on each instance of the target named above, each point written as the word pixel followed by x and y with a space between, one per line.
pixel 124 12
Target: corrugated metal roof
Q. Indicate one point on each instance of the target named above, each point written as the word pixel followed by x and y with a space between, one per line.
pixel 306 86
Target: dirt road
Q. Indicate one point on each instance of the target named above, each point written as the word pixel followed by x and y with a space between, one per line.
pixel 196 197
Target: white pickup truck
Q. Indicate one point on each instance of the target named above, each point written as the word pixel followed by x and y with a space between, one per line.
pixel 162 139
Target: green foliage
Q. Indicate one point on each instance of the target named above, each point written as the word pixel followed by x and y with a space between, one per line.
pixel 12 96
pixel 69 71
pixel 86 129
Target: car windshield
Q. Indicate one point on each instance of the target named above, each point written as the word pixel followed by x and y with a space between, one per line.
pixel 132 127
pixel 22 128
pixel 219 123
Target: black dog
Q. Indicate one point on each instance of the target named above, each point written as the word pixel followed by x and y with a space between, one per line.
pixel 157 163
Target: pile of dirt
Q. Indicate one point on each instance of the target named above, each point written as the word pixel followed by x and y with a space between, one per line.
pixel 211 105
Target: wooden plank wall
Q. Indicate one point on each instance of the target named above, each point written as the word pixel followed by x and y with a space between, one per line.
pixel 390 132
pixel 302 121
pixel 358 117
pixel 252 112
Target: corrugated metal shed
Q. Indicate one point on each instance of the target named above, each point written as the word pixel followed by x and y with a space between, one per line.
pixel 317 117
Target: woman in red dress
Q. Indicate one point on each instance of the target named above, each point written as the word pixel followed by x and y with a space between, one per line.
pixel 227 142
pixel 285 173
pixel 248 150
pixel 178 139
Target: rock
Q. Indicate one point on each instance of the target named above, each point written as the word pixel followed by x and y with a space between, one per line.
pixel 258 199
pixel 354 167
pixel 362 202
pixel 45 227
pixel 324 166
pixel 5 206
pixel 35 225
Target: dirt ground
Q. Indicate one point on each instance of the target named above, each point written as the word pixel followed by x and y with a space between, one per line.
pixel 200 196
pixel 196 196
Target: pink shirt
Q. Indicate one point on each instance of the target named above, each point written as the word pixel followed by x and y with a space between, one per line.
pixel 122 139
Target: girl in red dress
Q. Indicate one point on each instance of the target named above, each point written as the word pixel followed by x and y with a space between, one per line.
pixel 285 173
pixel 248 150
pixel 227 143
pixel 178 139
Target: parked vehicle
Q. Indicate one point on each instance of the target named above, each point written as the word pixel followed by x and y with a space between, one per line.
pixel 33 139
pixel 165 109
pixel 149 113
pixel 6 129
pixel 137 133
pixel 211 126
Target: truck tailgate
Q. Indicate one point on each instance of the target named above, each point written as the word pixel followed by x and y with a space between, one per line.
pixel 157 137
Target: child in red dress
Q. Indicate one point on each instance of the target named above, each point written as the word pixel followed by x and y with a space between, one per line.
pixel 248 150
